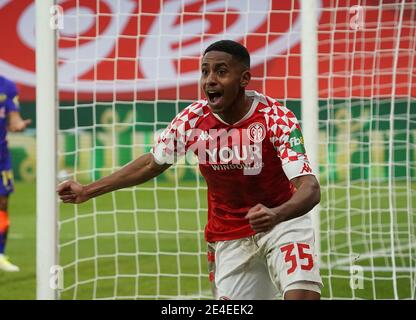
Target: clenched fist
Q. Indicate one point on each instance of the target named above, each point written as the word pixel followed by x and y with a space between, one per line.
pixel 262 218
pixel 71 191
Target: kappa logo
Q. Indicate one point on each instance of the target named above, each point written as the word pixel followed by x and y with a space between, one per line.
pixel 256 132
pixel 306 168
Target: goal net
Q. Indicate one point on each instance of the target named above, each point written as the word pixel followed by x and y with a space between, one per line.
pixel 367 112
pixel 126 68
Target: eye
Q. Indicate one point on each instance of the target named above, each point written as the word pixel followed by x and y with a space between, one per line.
pixel 204 72
pixel 221 72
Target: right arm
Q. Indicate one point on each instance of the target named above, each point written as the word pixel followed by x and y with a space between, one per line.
pixel 170 144
pixel 136 172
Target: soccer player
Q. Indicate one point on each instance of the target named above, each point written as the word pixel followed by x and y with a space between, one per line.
pixel 261 187
pixel 11 120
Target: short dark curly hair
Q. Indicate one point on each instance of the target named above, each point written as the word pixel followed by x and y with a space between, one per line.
pixel 237 50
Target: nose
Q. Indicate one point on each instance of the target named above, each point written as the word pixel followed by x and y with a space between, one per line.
pixel 211 79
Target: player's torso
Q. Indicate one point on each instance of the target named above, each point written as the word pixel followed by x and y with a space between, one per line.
pixel 239 162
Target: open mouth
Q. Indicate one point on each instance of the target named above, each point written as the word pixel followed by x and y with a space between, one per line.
pixel 214 96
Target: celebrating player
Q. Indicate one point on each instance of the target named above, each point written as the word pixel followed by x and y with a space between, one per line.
pixel 9 120
pixel 261 187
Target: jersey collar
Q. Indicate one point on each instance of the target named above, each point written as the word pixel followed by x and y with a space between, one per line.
pixel 256 99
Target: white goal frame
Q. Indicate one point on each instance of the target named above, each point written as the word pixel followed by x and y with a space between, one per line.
pixel 46 153
pixel 47 264
pixel 48 272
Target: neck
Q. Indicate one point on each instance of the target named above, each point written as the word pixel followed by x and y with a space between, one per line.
pixel 237 110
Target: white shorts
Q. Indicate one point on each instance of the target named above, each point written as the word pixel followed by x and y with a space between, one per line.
pixel 266 265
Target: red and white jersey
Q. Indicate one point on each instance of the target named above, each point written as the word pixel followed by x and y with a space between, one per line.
pixel 246 163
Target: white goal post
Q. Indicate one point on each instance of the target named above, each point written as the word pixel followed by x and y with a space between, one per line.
pixel 309 69
pixel 124 69
pixel 46 153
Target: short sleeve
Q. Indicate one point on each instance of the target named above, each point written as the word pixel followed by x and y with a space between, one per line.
pixel 12 101
pixel 287 139
pixel 172 143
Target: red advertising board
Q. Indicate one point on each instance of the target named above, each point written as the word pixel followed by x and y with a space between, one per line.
pixel 151 49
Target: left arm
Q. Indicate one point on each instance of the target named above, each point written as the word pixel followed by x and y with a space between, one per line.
pixel 16 123
pixel 303 200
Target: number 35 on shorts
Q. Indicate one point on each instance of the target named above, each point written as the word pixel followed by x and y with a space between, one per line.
pixel 297 255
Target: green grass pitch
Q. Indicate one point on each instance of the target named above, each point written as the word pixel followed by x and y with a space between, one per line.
pixel 21 246
pixel 119 255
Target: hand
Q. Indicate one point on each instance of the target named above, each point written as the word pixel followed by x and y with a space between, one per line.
pixel 262 218
pixel 71 192
pixel 18 126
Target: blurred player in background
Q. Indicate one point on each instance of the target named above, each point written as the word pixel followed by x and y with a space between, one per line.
pixel 261 187
pixel 10 120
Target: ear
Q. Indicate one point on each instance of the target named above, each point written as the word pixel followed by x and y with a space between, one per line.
pixel 245 78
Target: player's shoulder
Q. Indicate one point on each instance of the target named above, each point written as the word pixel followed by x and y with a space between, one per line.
pixel 197 110
pixel 278 118
pixel 7 86
pixel 272 107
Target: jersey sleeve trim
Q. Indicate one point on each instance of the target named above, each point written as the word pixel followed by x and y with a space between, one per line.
pixel 158 155
pixel 297 168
